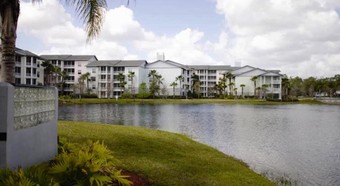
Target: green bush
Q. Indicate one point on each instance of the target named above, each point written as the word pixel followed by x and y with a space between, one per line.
pixel 32 176
pixel 88 164
pixel 230 97
pixel 76 164
pixel 89 95
pixel 65 97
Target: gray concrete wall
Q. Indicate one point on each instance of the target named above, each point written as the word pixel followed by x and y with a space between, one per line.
pixel 27 146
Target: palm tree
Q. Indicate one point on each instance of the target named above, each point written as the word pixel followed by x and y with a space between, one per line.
pixel 242 86
pixel 180 78
pixel 231 85
pixel 48 72
pixel 92 12
pixel 131 75
pixel 235 91
pixel 285 87
pixel 86 77
pixel 63 75
pixel 174 84
pixel 229 76
pixel 254 79
pixel 264 90
pixel 196 84
pixel 122 82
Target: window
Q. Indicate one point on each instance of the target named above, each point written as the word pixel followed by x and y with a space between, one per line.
pixel 38 74
pixel 34 71
pixel 59 62
pixel 17 81
pixel 103 85
pixel 18 70
pixel 276 85
pixel 34 60
pixel 93 86
pixel 54 62
pixel 103 69
pixel 28 71
pixel 18 58
pixel 28 81
pixel 93 78
pixel 68 63
pixel 34 82
pixel 103 77
pixel 108 69
pixel 79 71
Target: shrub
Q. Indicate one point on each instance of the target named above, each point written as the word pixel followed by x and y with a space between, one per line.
pixel 89 164
pixel 89 95
pixel 230 97
pixel 32 176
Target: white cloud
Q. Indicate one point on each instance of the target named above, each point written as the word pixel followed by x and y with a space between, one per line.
pixel 299 37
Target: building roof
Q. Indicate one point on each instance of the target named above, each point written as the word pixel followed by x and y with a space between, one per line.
pixel 69 57
pixel 212 67
pixel 117 63
pixel 171 63
pixel 22 52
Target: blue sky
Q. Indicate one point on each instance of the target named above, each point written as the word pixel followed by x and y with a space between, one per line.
pixel 300 38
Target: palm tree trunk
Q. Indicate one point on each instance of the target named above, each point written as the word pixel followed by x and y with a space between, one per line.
pixel 9 18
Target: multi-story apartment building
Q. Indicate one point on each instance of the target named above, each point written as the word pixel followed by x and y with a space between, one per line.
pixel 209 75
pixel 270 78
pixel 104 76
pixel 170 72
pixel 74 65
pixel 27 69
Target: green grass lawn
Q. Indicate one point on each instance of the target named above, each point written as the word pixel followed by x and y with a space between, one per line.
pixel 182 101
pixel 164 158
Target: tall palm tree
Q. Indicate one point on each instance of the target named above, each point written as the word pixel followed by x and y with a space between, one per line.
pixel 86 77
pixel 229 76
pixel 173 84
pixel 180 78
pixel 63 75
pixel 131 75
pixel 254 79
pixel 242 86
pixel 91 12
pixel 231 85
pixel 48 72
pixel 122 82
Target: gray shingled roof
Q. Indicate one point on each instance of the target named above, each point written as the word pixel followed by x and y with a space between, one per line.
pixel 212 67
pixel 171 63
pixel 68 57
pixel 117 63
pixel 22 52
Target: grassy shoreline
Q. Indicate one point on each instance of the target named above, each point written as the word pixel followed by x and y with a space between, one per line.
pixel 183 101
pixel 164 158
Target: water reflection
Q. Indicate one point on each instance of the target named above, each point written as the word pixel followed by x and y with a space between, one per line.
pixel 301 141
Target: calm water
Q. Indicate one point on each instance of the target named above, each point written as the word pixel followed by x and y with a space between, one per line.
pixel 301 142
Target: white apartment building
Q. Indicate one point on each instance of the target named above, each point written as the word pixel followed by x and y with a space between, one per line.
pixel 104 76
pixel 209 76
pixel 27 69
pixel 170 70
pixel 75 65
pixel 271 78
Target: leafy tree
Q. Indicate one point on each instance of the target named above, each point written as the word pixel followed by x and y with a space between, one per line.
pixel 173 84
pixel 155 81
pixel 90 11
pixel 143 91
pixel 196 85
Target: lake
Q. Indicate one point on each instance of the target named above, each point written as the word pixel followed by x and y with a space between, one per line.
pixel 300 142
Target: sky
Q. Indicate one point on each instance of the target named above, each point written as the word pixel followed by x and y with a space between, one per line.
pixel 300 38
